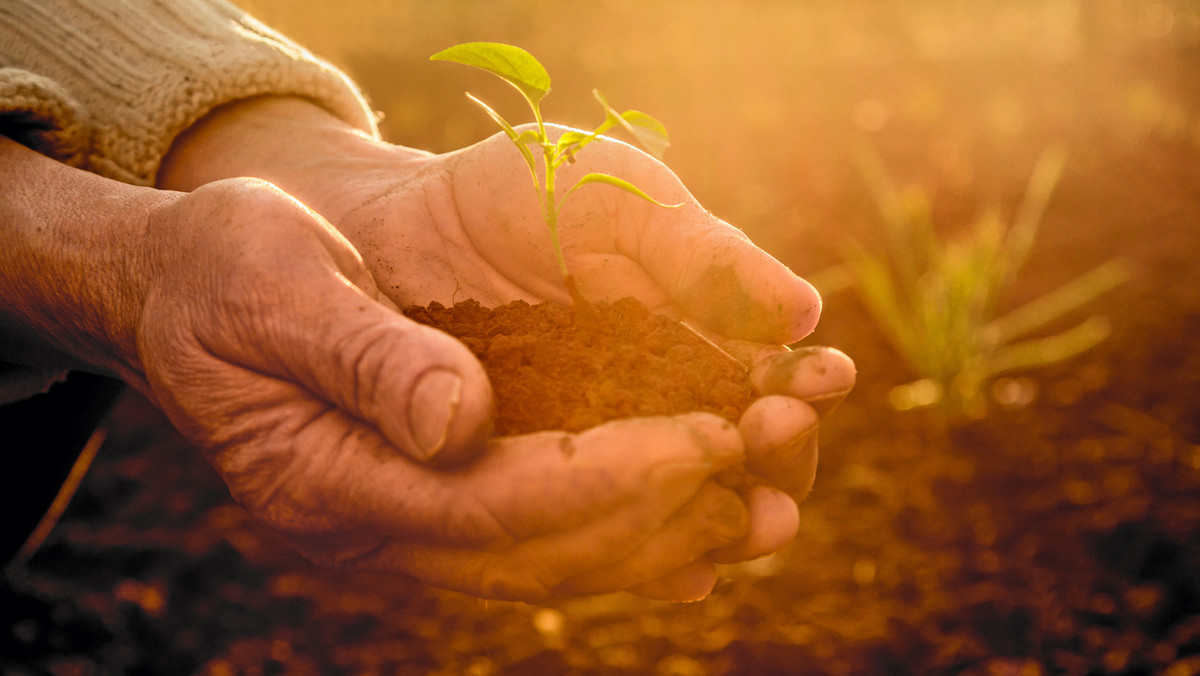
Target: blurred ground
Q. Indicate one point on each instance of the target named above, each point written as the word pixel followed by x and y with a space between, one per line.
pixel 1058 537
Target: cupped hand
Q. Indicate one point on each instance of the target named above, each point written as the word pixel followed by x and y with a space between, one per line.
pixel 467 224
pixel 264 339
pixel 470 221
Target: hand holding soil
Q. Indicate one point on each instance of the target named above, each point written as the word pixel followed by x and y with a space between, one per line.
pixel 625 505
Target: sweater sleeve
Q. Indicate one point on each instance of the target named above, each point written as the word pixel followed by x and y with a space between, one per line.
pixel 107 85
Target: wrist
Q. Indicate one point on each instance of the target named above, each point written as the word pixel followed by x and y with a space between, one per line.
pixel 292 142
pixel 72 270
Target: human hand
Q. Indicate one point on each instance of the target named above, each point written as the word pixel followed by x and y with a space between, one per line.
pixel 265 341
pixel 684 262
pixel 471 218
pixel 255 327
pixel 468 221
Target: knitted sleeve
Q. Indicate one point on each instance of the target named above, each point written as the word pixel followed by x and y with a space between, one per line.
pixel 107 85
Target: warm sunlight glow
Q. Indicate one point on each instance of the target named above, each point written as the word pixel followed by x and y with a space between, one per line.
pixel 1000 203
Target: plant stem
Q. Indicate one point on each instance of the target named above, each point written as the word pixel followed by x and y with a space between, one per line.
pixel 550 209
pixel 713 345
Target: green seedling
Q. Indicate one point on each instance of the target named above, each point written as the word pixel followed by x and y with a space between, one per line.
pixel 520 69
pixel 937 301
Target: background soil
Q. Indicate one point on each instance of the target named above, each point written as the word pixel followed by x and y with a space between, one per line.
pixel 1057 536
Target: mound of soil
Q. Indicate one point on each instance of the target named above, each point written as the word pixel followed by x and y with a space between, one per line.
pixel 556 368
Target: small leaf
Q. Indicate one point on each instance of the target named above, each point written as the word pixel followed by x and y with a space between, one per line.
pixel 617 182
pixel 571 137
pixel 497 118
pixel 528 137
pixel 647 131
pixel 512 64
pixel 519 140
pixel 577 139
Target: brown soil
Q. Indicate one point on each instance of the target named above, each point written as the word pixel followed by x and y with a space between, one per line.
pixel 556 368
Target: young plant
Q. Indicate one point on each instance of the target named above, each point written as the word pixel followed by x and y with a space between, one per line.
pixel 521 70
pixel 937 301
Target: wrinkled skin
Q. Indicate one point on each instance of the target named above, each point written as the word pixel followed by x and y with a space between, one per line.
pixel 324 437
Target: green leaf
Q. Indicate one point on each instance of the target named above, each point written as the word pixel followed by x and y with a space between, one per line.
pixel 511 64
pixel 496 117
pixel 520 140
pixel 879 291
pixel 647 131
pixel 617 182
pixel 528 137
pixel 1051 350
pixel 1054 304
pixel 571 142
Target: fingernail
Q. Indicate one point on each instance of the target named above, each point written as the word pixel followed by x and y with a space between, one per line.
pixel 696 582
pixel 821 376
pixel 777 375
pixel 435 400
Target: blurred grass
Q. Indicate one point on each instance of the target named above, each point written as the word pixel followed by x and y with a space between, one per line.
pixel 936 300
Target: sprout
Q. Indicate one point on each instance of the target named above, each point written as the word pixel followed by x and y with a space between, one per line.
pixel 521 70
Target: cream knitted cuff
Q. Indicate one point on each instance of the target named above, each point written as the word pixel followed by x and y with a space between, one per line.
pixel 107 85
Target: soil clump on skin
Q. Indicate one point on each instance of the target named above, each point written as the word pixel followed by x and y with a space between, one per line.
pixel 555 368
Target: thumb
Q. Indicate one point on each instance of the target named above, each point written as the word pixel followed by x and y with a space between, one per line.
pixel 420 388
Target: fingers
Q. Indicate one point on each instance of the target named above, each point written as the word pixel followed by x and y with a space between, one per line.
pixel 820 376
pixel 800 388
pixel 714 518
pixel 707 267
pixel 631 546
pixel 660 544
pixel 781 442
pixel 774 520
pixel 533 485
pixel 628 502
pixel 422 389
pixel 617 244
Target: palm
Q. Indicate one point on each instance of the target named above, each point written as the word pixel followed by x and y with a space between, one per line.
pixel 469 225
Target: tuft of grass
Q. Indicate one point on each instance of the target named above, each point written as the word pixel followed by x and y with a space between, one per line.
pixel 937 300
